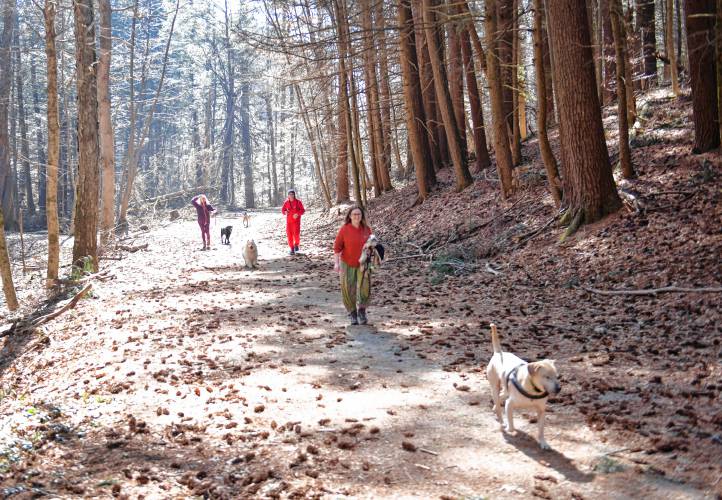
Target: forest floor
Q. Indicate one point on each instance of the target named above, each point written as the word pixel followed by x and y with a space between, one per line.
pixel 186 374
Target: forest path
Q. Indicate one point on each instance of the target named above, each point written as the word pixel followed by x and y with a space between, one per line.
pixel 188 373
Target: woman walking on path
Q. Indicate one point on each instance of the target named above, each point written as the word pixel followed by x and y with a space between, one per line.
pixel 204 209
pixel 355 283
pixel 293 210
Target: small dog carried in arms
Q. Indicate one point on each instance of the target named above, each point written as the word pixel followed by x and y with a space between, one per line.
pixel 372 254
pixel 250 254
pixel 519 384
pixel 226 233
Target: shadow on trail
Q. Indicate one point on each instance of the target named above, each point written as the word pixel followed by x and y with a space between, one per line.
pixel 550 458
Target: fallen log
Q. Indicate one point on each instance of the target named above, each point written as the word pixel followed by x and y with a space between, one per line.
pixel 71 304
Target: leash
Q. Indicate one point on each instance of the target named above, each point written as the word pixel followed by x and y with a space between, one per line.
pixel 512 376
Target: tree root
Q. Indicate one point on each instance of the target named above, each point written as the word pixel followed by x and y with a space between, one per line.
pixel 576 221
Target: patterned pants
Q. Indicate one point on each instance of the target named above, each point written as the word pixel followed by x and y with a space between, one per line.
pixel 355 287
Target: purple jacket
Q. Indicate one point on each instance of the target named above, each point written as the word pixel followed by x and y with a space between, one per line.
pixel 204 215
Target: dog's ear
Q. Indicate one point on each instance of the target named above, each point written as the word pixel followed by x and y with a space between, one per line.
pixel 533 368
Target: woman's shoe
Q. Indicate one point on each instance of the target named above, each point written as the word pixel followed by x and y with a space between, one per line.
pixel 295 248
pixel 353 317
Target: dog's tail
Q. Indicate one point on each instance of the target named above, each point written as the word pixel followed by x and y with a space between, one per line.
pixel 495 339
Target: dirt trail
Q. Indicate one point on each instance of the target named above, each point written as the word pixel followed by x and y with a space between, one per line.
pixel 188 374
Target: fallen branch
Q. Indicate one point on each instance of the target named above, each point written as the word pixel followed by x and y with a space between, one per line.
pixel 71 303
pixel 132 249
pixel 102 276
pixel 654 291
pixel 533 234
pixel 424 450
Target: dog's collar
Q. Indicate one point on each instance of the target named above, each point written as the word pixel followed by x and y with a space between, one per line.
pixel 512 376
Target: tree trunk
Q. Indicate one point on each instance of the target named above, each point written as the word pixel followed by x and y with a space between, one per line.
pixel 506 21
pixel 610 69
pixel 105 124
pixel 701 17
pixel 645 13
pixel 589 189
pixel 86 201
pixel 27 183
pixel 375 147
pixel 413 100
pixel 671 54
pixel 342 183
pixel 550 163
pixel 5 84
pixel 385 88
pixel 5 51
pixel 549 85
pixel 436 141
pixel 502 152
pixel 477 115
pixel 515 87
pixel 456 147
pixel 40 146
pixel 456 80
pixel 625 155
pixel 249 195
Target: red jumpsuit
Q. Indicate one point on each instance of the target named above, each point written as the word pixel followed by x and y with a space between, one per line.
pixel 293 226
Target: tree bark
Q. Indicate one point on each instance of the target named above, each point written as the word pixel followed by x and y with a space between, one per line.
pixel 5 84
pixel 86 201
pixel 385 88
pixel 458 153
pixel 107 147
pixel 505 51
pixel 701 17
pixel 5 51
pixel 625 155
pixel 456 80
pixel 40 145
pixel 671 54
pixel 550 163
pixel 413 100
pixel 51 189
pixel 589 189
pixel 372 106
pixel 645 13
pixel 502 152
pixel 436 141
pixel 515 86
pixel 477 115
pixel 27 181
pixel 610 69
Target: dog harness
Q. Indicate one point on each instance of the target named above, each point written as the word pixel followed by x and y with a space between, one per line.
pixel 512 377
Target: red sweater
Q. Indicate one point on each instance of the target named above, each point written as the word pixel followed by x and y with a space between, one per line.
pixel 293 207
pixel 349 243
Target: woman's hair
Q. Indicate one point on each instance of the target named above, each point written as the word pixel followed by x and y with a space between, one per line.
pixel 347 219
pixel 202 199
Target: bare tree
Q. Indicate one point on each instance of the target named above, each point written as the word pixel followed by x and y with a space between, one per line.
pixel 51 189
pixel 86 202
pixel 107 148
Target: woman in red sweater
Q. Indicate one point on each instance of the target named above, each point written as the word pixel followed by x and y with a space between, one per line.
pixel 355 285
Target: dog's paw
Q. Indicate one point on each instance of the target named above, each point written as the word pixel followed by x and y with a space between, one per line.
pixel 544 445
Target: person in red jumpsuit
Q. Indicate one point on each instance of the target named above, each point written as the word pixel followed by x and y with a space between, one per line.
pixel 293 210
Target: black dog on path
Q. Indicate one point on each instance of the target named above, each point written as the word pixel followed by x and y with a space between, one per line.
pixel 226 232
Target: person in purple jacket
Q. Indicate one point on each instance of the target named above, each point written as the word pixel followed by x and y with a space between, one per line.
pixel 204 209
